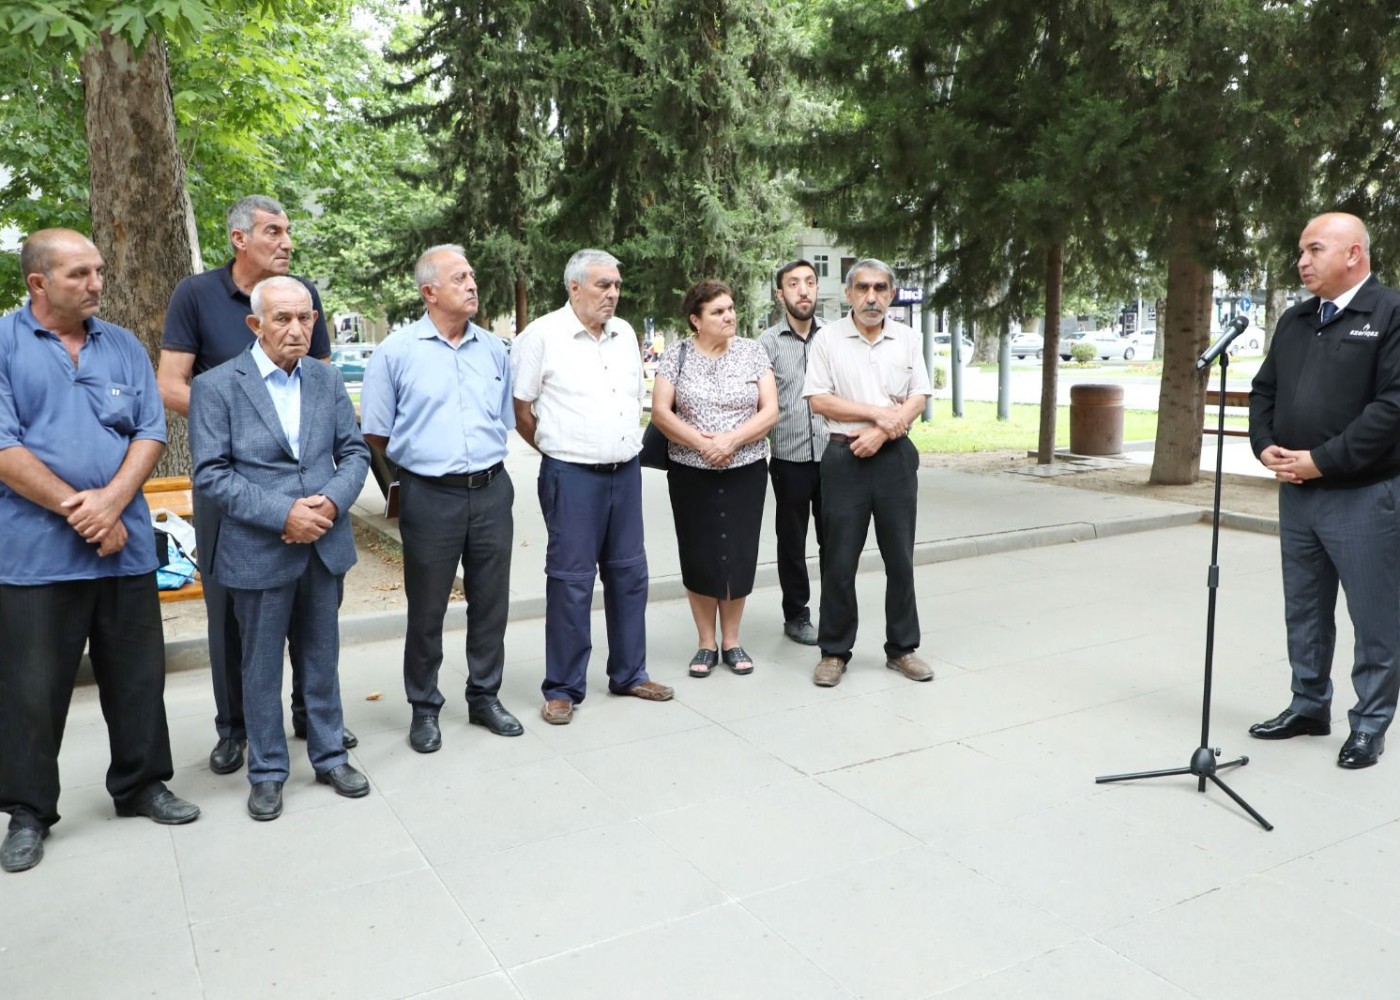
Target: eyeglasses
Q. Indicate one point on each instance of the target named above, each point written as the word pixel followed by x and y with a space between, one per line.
pixel 879 287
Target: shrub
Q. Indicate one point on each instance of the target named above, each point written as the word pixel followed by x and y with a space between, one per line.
pixel 1083 353
pixel 940 377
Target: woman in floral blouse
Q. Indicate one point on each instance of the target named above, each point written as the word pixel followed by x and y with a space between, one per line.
pixel 715 399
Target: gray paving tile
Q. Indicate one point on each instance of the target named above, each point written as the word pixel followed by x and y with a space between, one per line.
pixel 933 793
pixel 1082 970
pixel 124 894
pixel 496 986
pixel 1259 940
pixel 1360 876
pixel 233 868
pixel 152 965
pixel 679 770
pixel 722 952
pixel 468 814
pixel 909 925
pixel 824 737
pixel 1091 866
pixel 598 884
pixel 351 942
pixel 772 836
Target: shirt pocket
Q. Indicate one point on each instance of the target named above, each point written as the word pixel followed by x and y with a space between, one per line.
pixel 118 406
pixel 897 383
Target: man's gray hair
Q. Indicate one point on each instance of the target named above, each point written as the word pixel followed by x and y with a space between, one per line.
pixel 425 272
pixel 869 264
pixel 576 270
pixel 240 213
pixel 276 281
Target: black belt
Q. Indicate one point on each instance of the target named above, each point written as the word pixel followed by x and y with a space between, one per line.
pixel 602 466
pixel 840 439
pixel 464 480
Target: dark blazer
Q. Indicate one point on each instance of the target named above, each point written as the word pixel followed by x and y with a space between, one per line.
pixel 243 463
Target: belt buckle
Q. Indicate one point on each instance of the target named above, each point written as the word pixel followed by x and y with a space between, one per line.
pixel 479 479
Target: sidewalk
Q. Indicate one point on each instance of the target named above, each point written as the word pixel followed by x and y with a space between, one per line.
pixel 762 837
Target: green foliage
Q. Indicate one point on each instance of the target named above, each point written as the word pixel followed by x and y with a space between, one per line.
pixel 940 377
pixel 639 128
pixel 1083 353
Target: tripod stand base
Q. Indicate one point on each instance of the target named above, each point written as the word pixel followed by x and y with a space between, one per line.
pixel 1204 765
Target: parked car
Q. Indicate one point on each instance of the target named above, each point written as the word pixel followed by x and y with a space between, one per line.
pixel 1107 343
pixel 350 360
pixel 1249 342
pixel 1028 344
pixel 943 343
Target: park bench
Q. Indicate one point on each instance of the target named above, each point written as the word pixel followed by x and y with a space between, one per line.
pixel 175 494
pixel 1233 398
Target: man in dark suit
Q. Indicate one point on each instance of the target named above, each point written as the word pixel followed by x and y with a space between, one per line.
pixel 276 448
pixel 1324 418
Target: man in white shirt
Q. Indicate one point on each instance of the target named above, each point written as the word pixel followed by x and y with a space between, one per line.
pixel 577 376
pixel 866 375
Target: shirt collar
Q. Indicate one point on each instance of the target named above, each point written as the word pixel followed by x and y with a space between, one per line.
pixel 266 366
pixel 226 279
pixel 786 327
pixel 1344 300
pixel 608 329
pixel 427 330
pixel 27 319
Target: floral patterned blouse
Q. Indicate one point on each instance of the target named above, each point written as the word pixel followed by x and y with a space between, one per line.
pixel 715 395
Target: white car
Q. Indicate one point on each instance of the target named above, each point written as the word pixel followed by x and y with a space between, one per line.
pixel 1107 344
pixel 1028 344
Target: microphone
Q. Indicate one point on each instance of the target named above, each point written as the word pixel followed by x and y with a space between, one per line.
pixel 1236 327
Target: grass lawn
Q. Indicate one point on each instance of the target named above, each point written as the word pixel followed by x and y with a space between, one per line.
pixel 980 430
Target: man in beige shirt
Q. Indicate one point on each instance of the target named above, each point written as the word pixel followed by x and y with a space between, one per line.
pixel 866 375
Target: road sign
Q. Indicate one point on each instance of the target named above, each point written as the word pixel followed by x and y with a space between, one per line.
pixel 1244 304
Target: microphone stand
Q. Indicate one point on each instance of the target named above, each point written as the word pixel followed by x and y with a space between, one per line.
pixel 1204 764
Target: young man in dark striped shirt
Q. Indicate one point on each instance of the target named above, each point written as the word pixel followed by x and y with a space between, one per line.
pixel 796 442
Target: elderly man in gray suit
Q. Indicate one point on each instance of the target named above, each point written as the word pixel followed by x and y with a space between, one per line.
pixel 277 449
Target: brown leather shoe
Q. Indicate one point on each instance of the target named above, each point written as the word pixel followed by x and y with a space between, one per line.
pixel 911 666
pixel 829 671
pixel 557 711
pixel 650 691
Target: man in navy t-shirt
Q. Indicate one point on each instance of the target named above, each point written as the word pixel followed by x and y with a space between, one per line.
pixel 206 325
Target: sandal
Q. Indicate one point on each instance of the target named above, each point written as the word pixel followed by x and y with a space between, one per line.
pixel 734 657
pixel 706 658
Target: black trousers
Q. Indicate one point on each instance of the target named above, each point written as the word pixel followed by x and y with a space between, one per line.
pixel 797 499
pixel 42 633
pixel 442 526
pixel 883 488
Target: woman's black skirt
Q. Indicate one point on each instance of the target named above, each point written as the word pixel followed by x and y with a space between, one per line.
pixel 718 515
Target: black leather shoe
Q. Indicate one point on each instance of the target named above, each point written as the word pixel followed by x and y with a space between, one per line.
pixel 23 849
pixel 493 715
pixel 265 800
pixel 348 740
pixel 161 805
pixel 345 780
pixel 424 735
pixel 801 630
pixel 1361 750
pixel 1288 724
pixel 227 756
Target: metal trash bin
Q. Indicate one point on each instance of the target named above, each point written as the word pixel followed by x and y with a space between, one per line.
pixel 1096 419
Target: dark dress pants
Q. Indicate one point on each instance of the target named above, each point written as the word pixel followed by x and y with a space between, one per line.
pixel 797 499
pixel 1351 538
pixel 594 520
pixel 42 632
pixel 225 647
pixel 442 527
pixel 855 491
pixel 310 607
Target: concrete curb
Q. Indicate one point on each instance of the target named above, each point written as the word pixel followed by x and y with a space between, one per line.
pixel 192 653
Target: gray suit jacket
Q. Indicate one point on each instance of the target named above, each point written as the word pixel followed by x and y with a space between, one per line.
pixel 243 463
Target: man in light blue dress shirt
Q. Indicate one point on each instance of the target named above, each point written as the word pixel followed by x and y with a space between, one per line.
pixel 437 399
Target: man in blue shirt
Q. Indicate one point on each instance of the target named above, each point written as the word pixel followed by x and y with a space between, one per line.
pixel 206 324
pixel 81 427
pixel 437 398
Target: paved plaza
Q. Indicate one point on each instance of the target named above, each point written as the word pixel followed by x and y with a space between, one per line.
pixel 761 837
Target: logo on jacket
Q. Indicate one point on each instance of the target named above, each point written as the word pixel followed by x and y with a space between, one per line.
pixel 1365 331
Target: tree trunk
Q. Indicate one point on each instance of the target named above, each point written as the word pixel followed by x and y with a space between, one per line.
pixel 1186 331
pixel 142 220
pixel 1275 303
pixel 522 313
pixel 1050 363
